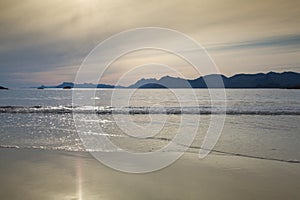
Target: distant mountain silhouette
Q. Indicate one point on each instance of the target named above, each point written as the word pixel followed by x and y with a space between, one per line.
pixel 69 85
pixel 289 80
pixel 260 80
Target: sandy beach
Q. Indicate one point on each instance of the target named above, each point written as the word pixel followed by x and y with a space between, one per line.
pixel 40 174
pixel 148 88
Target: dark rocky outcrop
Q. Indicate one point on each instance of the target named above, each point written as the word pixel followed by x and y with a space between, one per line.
pixel 3 88
pixel 41 87
pixel 67 87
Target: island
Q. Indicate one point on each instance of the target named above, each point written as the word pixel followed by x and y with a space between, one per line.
pixel 3 88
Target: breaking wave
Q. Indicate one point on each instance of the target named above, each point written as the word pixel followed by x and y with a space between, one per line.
pixel 206 110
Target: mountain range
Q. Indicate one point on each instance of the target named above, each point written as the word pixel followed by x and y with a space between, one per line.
pixel 289 80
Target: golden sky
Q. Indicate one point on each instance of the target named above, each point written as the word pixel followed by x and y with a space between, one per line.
pixel 45 41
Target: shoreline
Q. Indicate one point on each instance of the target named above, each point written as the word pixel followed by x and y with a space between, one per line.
pixel 53 174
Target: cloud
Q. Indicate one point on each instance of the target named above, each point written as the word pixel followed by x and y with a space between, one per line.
pixel 45 37
pixel 289 42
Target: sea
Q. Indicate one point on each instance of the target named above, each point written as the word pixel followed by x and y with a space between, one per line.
pixel 258 123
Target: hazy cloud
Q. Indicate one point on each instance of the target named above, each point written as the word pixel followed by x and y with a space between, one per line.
pixel 46 41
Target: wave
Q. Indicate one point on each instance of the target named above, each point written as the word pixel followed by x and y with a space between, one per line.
pixel 224 153
pixel 205 110
pixel 249 156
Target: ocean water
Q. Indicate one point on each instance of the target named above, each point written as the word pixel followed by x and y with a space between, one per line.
pixel 259 123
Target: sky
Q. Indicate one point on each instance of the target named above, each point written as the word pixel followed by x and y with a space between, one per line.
pixel 45 42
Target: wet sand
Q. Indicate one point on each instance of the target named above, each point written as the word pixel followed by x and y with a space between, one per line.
pixel 40 174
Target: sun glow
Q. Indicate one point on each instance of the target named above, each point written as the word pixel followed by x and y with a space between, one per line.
pixel 79 180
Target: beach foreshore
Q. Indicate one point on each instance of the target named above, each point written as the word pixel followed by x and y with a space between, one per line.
pixel 44 174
